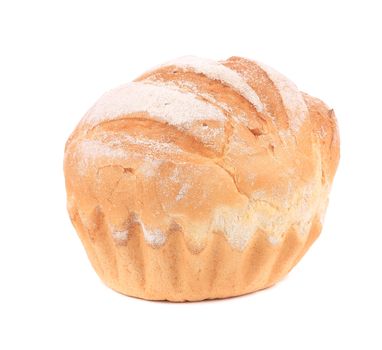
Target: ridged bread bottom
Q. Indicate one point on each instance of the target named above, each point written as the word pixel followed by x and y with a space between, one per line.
pixel 175 273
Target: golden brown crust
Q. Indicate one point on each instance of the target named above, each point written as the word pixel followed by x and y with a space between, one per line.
pixel 200 180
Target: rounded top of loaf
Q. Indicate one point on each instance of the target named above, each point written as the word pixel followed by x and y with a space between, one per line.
pixel 203 146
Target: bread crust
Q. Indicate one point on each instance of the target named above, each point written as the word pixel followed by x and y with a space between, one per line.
pixel 200 179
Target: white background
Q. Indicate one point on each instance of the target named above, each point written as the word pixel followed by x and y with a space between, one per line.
pixel 57 58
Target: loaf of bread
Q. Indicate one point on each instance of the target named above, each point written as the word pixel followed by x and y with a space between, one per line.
pixel 200 179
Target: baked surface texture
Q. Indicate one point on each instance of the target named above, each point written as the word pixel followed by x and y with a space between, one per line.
pixel 200 179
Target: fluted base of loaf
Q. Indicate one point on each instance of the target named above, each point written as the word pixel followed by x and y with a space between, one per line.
pixel 173 272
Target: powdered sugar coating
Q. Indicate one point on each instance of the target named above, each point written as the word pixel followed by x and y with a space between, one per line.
pixel 217 71
pixel 161 102
pixel 293 101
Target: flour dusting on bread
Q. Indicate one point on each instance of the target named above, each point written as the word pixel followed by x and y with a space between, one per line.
pixel 217 71
pixel 164 103
pixel 294 103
